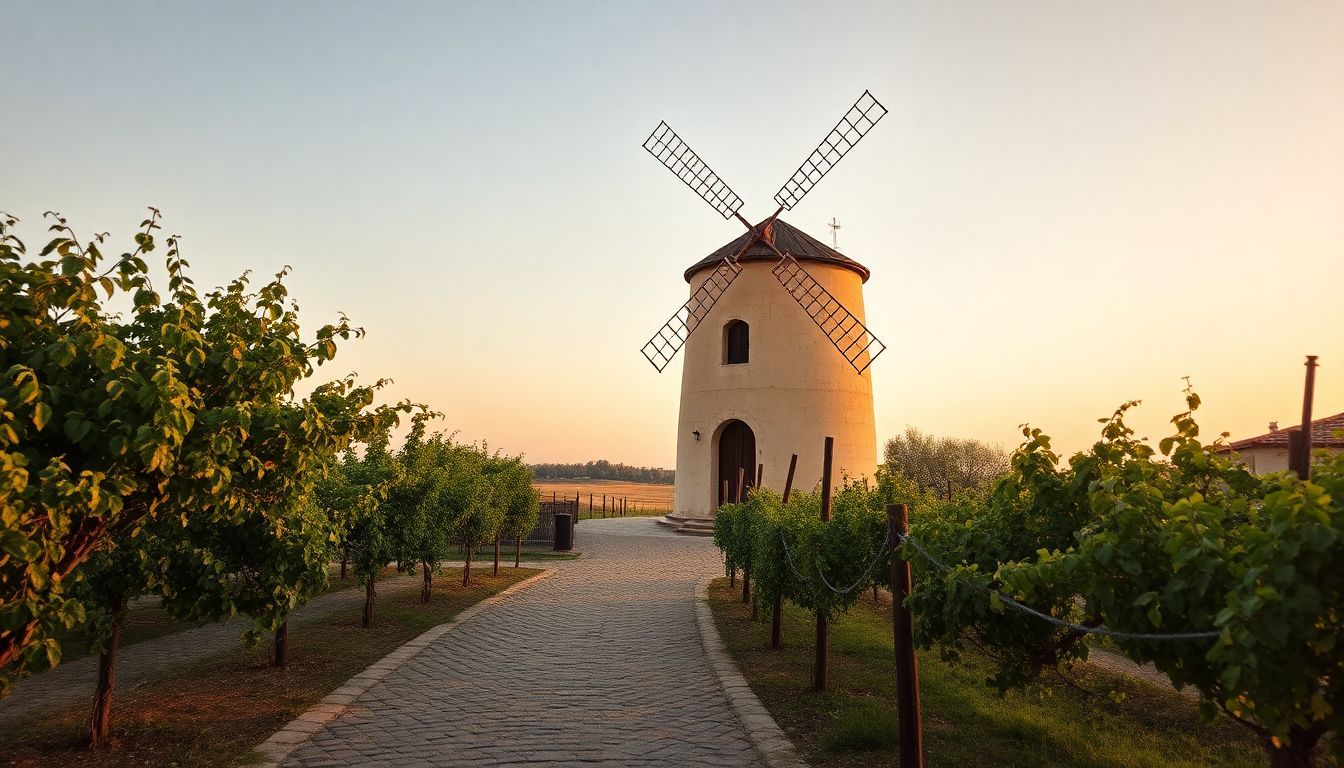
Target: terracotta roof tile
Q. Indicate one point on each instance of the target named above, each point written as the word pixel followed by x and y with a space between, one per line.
pixel 786 238
pixel 1322 435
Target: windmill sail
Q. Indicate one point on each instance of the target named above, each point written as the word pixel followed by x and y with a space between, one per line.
pixel 857 122
pixel 663 346
pixel 681 160
pixel 850 336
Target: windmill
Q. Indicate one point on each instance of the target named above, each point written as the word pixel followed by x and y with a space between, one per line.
pixel 763 390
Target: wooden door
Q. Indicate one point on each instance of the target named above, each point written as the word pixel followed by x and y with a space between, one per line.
pixel 737 450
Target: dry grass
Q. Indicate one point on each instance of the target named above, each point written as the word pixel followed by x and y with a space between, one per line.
pixel 643 498
pixel 214 712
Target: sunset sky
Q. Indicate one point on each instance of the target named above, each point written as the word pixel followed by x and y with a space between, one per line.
pixel 1070 204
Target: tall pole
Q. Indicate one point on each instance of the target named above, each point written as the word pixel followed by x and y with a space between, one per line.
pixel 903 640
pixel 777 609
pixel 732 572
pixel 823 632
pixel 1303 454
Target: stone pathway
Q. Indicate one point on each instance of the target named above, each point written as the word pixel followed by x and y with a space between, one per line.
pixel 599 665
pixel 73 682
pixel 1122 665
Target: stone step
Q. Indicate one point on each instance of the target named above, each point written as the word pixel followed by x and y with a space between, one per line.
pixel 690 526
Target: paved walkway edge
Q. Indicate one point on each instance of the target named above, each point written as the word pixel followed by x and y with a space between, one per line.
pixel 771 744
pixel 299 730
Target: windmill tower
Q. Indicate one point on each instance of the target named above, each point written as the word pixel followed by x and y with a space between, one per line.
pixel 777 353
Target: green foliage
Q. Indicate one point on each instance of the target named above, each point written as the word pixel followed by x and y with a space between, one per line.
pixel 354 494
pixel 1179 539
pixel 180 406
pixel 791 552
pixel 514 495
pixel 944 465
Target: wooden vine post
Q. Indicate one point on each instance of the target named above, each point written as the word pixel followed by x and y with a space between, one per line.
pixel 746 580
pixel 777 609
pixel 732 572
pixel 823 631
pixel 903 640
pixel 1299 442
pixel 746 567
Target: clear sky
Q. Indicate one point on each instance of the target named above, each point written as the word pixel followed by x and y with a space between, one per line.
pixel 1071 204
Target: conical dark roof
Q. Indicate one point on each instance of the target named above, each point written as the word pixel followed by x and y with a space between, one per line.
pixel 786 238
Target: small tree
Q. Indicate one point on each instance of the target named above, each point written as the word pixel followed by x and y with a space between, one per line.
pixel 111 419
pixel 944 464
pixel 354 495
pixel 115 573
pixel 470 494
pixel 421 514
pixel 517 498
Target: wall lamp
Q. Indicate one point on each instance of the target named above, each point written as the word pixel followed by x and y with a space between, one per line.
pixel 697 435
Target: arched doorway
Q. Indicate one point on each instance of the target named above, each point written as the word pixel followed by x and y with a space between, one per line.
pixel 737 451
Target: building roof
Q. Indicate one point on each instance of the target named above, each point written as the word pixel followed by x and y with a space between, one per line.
pixel 1322 435
pixel 786 238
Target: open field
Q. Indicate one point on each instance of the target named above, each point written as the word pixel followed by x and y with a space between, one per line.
pixel 643 498
pixel 214 712
pixel 1112 721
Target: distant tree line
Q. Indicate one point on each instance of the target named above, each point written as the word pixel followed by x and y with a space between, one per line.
pixel 602 470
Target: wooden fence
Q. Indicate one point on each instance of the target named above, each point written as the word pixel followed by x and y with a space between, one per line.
pixel 544 532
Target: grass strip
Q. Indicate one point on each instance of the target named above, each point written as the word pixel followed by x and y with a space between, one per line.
pixel 1114 722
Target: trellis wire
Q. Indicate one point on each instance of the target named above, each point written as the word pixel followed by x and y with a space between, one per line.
pixel 881 552
pixel 1101 631
pixel 940 565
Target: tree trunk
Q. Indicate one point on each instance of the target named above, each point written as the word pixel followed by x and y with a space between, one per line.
pixel 874 593
pixel 496 555
pixel 1299 752
pixel 107 678
pixel 732 578
pixel 777 622
pixel 746 583
pixel 280 648
pixel 345 560
pixel 517 551
pixel 466 568
pixel 427 588
pixel 369 594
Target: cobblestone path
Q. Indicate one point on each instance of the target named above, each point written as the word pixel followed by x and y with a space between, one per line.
pixel 599 665
pixel 73 682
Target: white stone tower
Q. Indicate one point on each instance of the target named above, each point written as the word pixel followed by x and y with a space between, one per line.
pixel 781 359
pixel 760 381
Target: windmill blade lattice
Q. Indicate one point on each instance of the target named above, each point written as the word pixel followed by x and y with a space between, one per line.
pixel 664 345
pixel 681 160
pixel 856 343
pixel 856 124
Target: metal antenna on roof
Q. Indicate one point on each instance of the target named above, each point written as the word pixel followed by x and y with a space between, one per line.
pixel 835 228
pixel 844 330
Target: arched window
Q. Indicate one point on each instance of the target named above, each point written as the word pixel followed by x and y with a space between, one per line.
pixel 736 342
